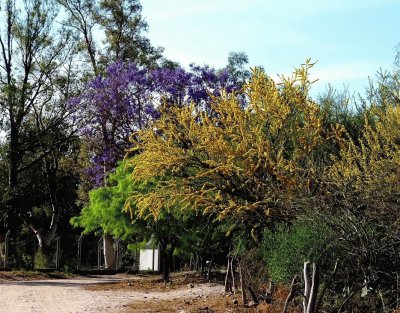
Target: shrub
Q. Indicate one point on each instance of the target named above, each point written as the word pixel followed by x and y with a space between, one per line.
pixel 286 247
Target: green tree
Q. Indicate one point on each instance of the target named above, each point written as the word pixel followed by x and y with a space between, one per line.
pixel 105 209
pixel 174 231
pixel 120 30
pixel 123 27
pixel 34 84
pixel 237 66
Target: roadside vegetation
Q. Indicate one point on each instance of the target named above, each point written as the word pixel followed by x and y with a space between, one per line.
pixel 221 168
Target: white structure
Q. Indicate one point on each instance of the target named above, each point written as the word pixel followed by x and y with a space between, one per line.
pixel 149 259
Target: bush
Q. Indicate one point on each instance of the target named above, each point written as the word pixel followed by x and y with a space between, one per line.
pixel 41 260
pixel 286 247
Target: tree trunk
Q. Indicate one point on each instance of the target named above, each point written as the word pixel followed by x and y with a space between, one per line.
pixel 210 264
pixel 166 256
pixel 44 238
pixel 43 255
pixel 166 268
pixel 108 250
pixel 13 159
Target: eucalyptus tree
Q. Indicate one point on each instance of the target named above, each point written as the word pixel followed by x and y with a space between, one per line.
pixel 35 81
pixel 110 31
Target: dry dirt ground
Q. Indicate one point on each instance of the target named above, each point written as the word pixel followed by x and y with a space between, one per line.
pixel 118 293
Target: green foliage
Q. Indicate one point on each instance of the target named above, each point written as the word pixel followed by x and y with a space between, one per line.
pixel 237 66
pixel 41 260
pixel 123 27
pixel 177 232
pixel 104 211
pixel 287 247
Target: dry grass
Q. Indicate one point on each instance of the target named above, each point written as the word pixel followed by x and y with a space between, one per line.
pixel 214 304
pixel 200 304
pixel 32 275
pixel 150 283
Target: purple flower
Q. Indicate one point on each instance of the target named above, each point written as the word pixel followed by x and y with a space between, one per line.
pixel 127 98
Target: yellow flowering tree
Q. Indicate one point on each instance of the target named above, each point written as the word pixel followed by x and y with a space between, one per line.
pixel 247 162
pixel 366 173
pixel 359 198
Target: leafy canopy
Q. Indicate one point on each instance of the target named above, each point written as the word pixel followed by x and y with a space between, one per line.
pixel 104 210
pixel 236 159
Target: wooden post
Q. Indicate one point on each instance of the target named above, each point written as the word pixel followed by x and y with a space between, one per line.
pixel 78 266
pixel 233 277
pixel 58 253
pixel 99 244
pixel 314 289
pixel 117 264
pixel 291 294
pixel 398 291
pixel 6 248
pixel 307 285
pixel 311 286
pixel 242 285
pixel 228 284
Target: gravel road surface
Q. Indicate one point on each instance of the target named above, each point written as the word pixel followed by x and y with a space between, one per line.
pixel 69 296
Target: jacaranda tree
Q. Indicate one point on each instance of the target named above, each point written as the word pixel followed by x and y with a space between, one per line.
pixel 122 102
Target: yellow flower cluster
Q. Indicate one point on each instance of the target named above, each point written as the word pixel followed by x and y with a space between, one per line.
pixel 233 159
pixel 367 171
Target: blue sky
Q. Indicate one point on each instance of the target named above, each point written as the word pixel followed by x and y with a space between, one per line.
pixel 350 39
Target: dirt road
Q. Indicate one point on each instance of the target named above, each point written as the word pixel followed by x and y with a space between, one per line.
pixel 69 296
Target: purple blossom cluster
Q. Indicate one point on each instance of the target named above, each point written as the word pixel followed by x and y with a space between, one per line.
pixel 114 106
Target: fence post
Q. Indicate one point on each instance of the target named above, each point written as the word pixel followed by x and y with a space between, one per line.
pixel 117 264
pixel 79 252
pixel 6 248
pixel 58 239
pixel 100 242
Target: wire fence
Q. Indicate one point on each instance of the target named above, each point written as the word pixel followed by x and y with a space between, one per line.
pixel 64 253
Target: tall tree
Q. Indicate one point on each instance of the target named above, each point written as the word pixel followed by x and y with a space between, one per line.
pixel 237 67
pixel 248 164
pixel 81 19
pixel 174 231
pixel 126 99
pixel 123 27
pixel 34 82
pixel 119 28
